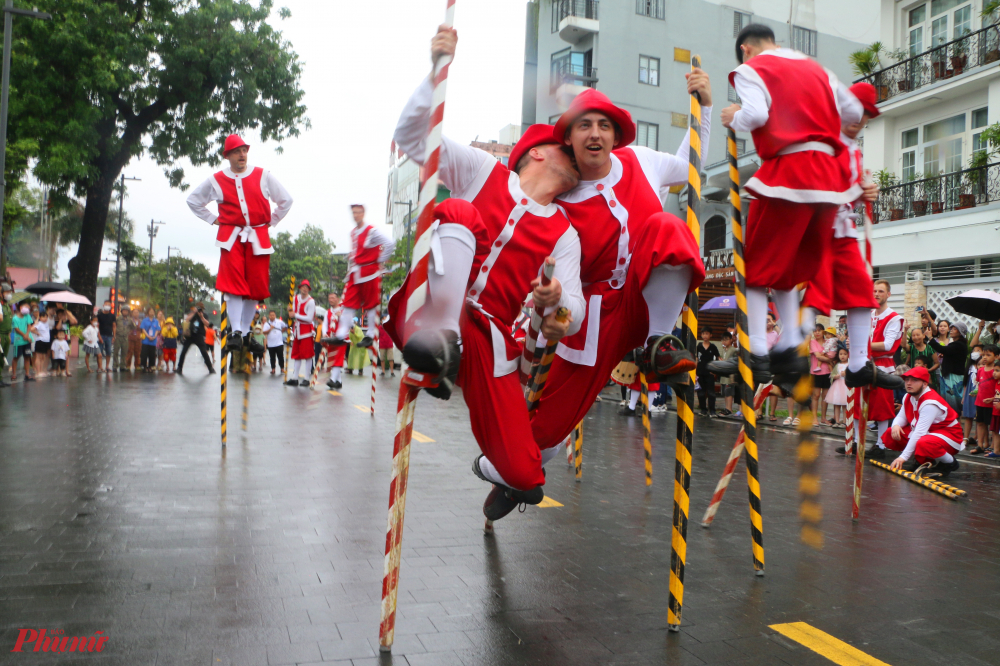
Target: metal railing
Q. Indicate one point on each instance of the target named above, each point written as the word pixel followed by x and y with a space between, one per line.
pixel 581 8
pixel 938 194
pixel 938 64
pixel 564 71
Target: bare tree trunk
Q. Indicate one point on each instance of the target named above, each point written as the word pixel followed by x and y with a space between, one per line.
pixel 84 267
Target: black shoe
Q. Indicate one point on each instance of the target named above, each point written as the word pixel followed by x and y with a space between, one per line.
pixel 787 367
pixel 254 346
pixel 366 342
pixel 336 342
pixel 331 384
pixel 842 450
pixel 628 411
pixel 179 371
pixel 234 344
pixel 939 470
pixel 211 371
pixel 869 376
pixel 664 359
pixel 713 415
pixel 292 382
pixel 703 413
pixel 435 353
pixel 498 504
pixel 876 453
pixel 476 469
pixel 760 367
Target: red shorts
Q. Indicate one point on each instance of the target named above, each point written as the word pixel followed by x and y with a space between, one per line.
pixel 787 242
pixel 842 283
pixel 242 273
pixel 302 349
pixel 363 296
pixel 335 355
pixel 624 324
pixel 170 355
pixel 929 447
pixel 881 405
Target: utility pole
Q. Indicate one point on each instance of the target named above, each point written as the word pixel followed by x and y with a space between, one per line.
pixel 409 228
pixel 152 229
pixel 118 250
pixel 8 12
pixel 166 299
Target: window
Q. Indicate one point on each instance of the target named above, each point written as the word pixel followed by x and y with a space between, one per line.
pixel 554 119
pixel 932 24
pixel 650 8
pixel 647 134
pixel 943 145
pixel 978 123
pixel 715 234
pixel 741 147
pixel 910 156
pixel 740 21
pixel 917 18
pixel 804 40
pixel 572 67
pixel 649 70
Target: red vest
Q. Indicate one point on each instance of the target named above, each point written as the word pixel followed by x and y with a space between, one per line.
pixel 243 204
pixel 883 359
pixel 331 322
pixel 947 428
pixel 803 108
pixel 364 259
pixel 303 329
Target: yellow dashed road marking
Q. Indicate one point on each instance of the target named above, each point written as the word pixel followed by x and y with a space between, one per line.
pixel 548 503
pixel 824 644
pixel 421 438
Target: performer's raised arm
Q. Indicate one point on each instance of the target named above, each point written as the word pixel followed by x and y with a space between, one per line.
pixel 567 272
pixel 377 238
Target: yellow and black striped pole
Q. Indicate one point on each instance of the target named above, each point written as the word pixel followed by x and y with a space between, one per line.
pixel 578 450
pixel 941 488
pixel 810 509
pixel 224 367
pixel 744 378
pixel 288 329
pixel 647 443
pixel 685 394
pixel 247 356
pixel 542 374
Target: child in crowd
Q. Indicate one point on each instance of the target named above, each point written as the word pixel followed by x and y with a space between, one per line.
pixel 258 356
pixel 984 398
pixel 837 395
pixel 24 328
pixel 169 334
pixel 995 422
pixel 92 344
pixel 60 349
pixel 969 399
pixel 210 340
pixel 707 353
pixel 43 345
pixel 819 367
pixel 728 386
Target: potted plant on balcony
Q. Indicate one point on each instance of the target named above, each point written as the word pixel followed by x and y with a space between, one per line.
pixel 932 191
pixel 918 197
pixel 991 16
pixel 885 180
pixel 973 180
pixel 960 54
pixel 867 63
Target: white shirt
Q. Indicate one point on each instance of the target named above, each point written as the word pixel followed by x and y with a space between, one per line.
pixel 893 331
pixel 755 100
pixel 210 191
pixel 308 318
pixel 375 238
pixel 41 331
pixel 930 412
pixel 273 329
pixel 59 349
pixel 90 336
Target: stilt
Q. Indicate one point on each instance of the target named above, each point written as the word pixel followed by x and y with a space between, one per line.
pixel 647 444
pixel 532 355
pixel 223 368
pixel 541 371
pixel 578 450
pixel 849 422
pixel 288 330
pixel 859 456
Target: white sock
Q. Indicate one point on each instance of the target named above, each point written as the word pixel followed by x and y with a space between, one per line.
pixel 490 472
pixel 946 458
pixel 665 293
pixel 309 368
pixel 757 320
pixel 234 311
pixel 296 367
pixel 447 291
pixel 249 310
pixel 633 398
pixel 882 427
pixel 808 323
pixel 787 303
pixel 345 323
pixel 859 327
pixel 549 454
pixel 372 324
pixel 335 374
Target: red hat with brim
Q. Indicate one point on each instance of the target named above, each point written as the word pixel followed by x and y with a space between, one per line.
pixel 865 92
pixel 593 100
pixel 919 373
pixel 305 283
pixel 233 141
pixel 536 135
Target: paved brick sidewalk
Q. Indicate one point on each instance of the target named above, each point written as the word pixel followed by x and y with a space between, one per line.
pixel 118 514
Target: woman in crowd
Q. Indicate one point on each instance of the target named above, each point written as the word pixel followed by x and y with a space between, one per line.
pixel 819 368
pixel 915 345
pixel 953 355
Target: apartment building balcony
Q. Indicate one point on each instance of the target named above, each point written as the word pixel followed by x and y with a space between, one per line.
pixel 959 190
pixel 958 60
pixel 576 19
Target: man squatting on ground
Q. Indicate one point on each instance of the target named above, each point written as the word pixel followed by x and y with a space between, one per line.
pixel 926 429
pixel 242 194
pixel 487 247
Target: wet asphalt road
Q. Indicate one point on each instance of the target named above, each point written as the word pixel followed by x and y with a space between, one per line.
pixel 119 515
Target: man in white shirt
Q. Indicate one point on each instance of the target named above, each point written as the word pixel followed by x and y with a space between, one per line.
pixel 274 337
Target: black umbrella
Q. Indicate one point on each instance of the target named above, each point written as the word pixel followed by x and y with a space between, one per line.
pixel 977 303
pixel 42 288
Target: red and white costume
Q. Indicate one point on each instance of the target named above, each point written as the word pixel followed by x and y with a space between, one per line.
pixel 887 328
pixel 334 353
pixel 304 312
pixel 625 236
pixel 369 249
pixel 510 235
pixel 930 428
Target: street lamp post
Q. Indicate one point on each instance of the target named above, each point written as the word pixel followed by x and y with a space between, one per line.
pixel 152 230
pixel 409 228
pixel 118 251
pixel 8 12
pixel 166 299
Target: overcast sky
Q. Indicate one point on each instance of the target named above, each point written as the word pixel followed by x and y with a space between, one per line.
pixel 362 60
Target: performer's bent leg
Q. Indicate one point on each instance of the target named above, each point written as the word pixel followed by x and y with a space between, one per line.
pixel 449 269
pixel 372 324
pixel 667 264
pixel 246 319
pixel 757 320
pixel 234 308
pixel 859 326
pixel 787 302
pixel 665 294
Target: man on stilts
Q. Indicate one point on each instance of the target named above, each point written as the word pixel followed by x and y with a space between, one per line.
pixel 303 315
pixel 487 246
pixel 243 194
pixel 363 291
pixel 335 352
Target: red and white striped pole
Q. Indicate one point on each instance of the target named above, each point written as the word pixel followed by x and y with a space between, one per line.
pixel 416 297
pixel 849 421
pixel 374 357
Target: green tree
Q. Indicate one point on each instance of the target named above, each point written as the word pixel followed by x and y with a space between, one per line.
pixel 310 256
pixel 176 284
pixel 396 267
pixel 108 80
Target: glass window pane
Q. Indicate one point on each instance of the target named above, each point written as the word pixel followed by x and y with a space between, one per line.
pixel 916 41
pixel 931 159
pixel 943 128
pixel 652 140
pixel 979 118
pixel 918 15
pixel 909 165
pixel 939 31
pixel 978 145
pixel 654 71
pixel 938 6
pixel 640 133
pixel 909 138
pixel 953 155
pixel 963 21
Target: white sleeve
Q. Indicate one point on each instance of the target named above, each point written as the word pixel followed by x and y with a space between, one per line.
pixel 893 331
pixel 203 195
pixel 850 108
pixel 928 412
pixel 310 312
pixel 673 169
pixel 459 164
pixel 279 195
pixel 900 419
pixel 567 255
pixel 377 237
pixel 754 103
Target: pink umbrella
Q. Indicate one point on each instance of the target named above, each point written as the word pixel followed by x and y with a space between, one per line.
pixel 65 297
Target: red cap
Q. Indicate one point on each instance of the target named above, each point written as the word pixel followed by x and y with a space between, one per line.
pixel 593 100
pixel 536 135
pixel 233 141
pixel 305 283
pixel 865 92
pixel 919 373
